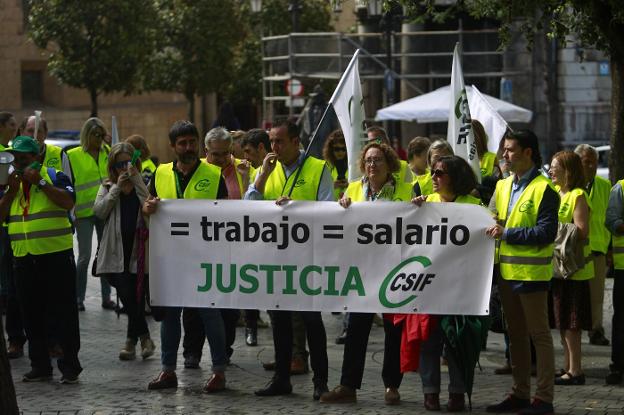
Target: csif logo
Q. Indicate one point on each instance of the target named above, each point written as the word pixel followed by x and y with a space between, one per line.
pixel 401 283
pixel 527 206
pixel 203 185
pixel 300 182
pixel 52 162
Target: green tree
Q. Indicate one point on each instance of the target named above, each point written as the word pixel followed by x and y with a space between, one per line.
pixel 597 23
pixel 274 19
pixel 94 45
pixel 196 51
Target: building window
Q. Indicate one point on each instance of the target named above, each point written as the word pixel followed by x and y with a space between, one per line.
pixel 32 87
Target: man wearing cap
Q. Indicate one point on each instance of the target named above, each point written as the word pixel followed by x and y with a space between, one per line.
pixel 36 204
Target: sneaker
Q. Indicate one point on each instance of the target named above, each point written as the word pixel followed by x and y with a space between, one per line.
pixel 69 379
pixel 37 376
pixel 538 407
pixel 165 380
pixel 614 377
pixel 129 350
pixel 340 394
pixel 509 404
pixel 147 346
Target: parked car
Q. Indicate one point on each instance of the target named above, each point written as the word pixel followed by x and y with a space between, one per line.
pixel 65 139
pixel 603 161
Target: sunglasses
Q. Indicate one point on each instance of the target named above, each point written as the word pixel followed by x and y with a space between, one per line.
pixel 121 164
pixel 438 173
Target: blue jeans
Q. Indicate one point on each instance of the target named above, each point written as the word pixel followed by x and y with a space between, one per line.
pixel 430 353
pixel 84 233
pixel 170 333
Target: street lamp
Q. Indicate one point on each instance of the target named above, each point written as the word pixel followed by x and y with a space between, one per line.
pixel 256 6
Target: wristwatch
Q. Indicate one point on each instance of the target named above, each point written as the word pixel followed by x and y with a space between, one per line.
pixel 42 183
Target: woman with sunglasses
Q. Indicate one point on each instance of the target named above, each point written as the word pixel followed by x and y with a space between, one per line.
pixel 118 203
pixel 453 180
pixel 378 162
pixel 335 154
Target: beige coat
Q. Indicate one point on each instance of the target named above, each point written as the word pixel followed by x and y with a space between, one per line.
pixel 110 259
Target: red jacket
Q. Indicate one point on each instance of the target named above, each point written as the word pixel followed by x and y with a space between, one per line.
pixel 416 328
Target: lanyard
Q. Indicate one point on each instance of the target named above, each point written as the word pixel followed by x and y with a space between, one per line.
pixel 288 178
pixel 177 183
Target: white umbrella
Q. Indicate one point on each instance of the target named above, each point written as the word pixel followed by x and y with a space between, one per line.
pixel 434 107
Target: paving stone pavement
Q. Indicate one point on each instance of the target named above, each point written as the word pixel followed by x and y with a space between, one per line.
pixel 110 386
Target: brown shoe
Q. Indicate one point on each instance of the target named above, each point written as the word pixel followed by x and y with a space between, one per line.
pixel 392 396
pixel 503 370
pixel 432 401
pixel 15 351
pixel 165 380
pixel 340 394
pixel 298 366
pixel 456 402
pixel 216 383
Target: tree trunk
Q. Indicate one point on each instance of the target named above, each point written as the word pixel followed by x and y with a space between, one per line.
pixel 616 167
pixel 8 400
pixel 190 97
pixel 94 103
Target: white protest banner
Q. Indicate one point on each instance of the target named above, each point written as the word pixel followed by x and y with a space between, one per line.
pixel 493 124
pixel 349 107
pixel 459 133
pixel 371 257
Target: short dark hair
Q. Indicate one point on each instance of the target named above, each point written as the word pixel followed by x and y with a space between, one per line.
pixel 181 128
pixel 417 146
pixel 378 130
pixel 5 117
pixel 289 124
pixel 256 136
pixel 463 179
pixel 527 139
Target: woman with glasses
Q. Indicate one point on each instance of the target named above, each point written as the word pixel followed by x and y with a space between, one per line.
pixel 118 203
pixel 570 298
pixel 378 162
pixel 86 167
pixel 453 180
pixel 335 154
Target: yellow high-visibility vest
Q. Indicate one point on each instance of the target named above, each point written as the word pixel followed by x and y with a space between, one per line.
pixel 618 244
pixel 53 157
pixel 599 235
pixel 402 191
pixel 308 181
pixel 204 184
pixel 566 214
pixel 38 226
pixel 487 164
pixel 88 175
pixel 425 182
pixel 470 199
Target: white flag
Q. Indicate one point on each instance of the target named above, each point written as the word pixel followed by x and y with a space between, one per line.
pixel 459 134
pixel 349 106
pixel 37 121
pixel 493 123
pixel 114 132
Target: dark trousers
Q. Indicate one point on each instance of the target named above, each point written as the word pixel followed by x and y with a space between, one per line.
pixel 194 336
pixel 356 342
pixel 125 284
pixel 283 343
pixel 251 318
pixel 46 287
pixel 14 326
pixel 617 334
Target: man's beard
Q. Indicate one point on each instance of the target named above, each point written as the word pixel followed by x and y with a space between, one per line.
pixel 188 157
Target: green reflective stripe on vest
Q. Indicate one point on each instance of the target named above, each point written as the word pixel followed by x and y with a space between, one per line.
pixel 523 214
pixel 599 235
pixel 524 260
pixel 44 229
pixel 487 164
pixel 566 215
pixel 87 175
pixel 204 183
pixel 307 185
pixel 53 157
pixel 618 243
pixel 40 215
pixel 402 192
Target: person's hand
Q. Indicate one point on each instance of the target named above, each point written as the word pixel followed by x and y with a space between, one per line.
pixel 269 163
pixel 419 200
pixel 150 205
pixel 495 231
pixel 132 170
pixel 345 202
pixel 123 178
pixel 340 184
pixel 243 168
pixel 32 176
pixel 282 200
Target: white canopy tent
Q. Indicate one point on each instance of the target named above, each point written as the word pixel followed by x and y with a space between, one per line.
pixel 434 107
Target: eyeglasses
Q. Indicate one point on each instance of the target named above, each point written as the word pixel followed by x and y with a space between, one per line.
pixel 376 161
pixel 121 164
pixel 438 173
pixel 340 149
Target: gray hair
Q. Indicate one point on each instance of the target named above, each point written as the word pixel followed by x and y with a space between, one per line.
pixel 218 134
pixel 439 145
pixel 585 148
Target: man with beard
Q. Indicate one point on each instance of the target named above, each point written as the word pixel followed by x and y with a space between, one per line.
pixel 187 178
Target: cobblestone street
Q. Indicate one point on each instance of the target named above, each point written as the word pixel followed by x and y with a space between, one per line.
pixel 110 386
